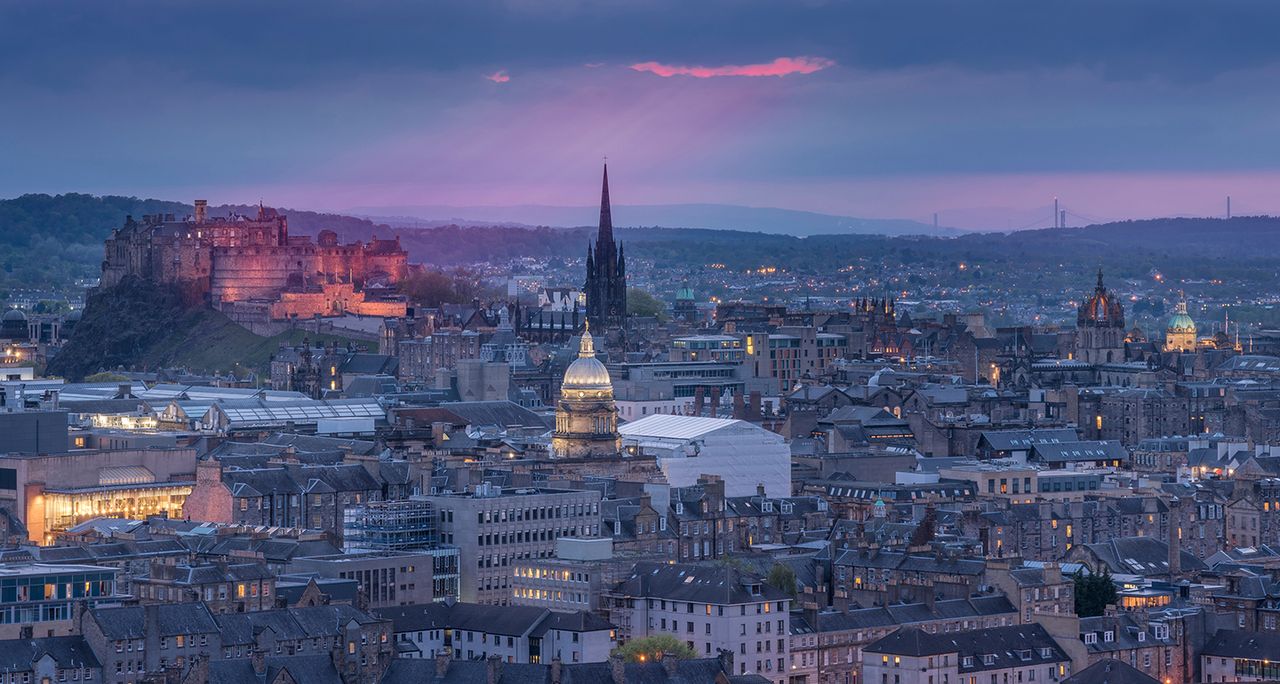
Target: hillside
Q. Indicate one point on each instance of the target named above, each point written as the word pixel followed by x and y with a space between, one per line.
pixel 137 326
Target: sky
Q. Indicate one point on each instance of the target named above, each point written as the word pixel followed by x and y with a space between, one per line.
pixel 980 111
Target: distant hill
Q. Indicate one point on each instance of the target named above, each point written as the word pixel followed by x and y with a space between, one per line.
pixel 709 216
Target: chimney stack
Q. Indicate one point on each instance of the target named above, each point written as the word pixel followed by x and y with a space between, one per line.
pixel 698 397
pixel 618 669
pixel 715 402
pixel 739 406
pixel 202 210
pixel 755 405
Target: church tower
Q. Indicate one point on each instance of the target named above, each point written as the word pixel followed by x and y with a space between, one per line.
pixel 1100 329
pixel 606 286
pixel 586 418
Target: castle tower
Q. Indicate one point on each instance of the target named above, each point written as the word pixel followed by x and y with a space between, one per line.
pixel 1180 336
pixel 606 285
pixel 586 418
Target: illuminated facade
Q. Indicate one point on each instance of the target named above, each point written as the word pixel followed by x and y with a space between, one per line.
pixel 1100 330
pixel 1180 336
pixel 42 597
pixel 55 510
pixel 587 418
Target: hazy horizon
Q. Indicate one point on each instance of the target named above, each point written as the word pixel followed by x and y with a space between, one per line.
pixel 981 113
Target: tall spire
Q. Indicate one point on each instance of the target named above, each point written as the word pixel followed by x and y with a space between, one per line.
pixel 1100 285
pixel 606 217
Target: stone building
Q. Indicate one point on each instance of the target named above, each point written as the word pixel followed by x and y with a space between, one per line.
pixel 1016 653
pixel 1100 330
pixel 711 608
pixel 606 284
pixel 251 267
pixel 495 529
pixel 586 418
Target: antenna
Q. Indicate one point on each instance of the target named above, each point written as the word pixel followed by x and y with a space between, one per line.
pixel 1228 206
pixel 1055 213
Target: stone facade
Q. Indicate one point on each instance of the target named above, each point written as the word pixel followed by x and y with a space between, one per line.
pixel 230 261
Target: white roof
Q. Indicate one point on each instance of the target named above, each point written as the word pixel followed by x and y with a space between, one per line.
pixel 663 426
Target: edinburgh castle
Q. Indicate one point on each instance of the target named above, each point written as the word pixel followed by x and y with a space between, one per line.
pixel 251 269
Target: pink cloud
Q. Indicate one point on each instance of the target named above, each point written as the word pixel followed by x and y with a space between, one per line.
pixel 499 76
pixel 782 66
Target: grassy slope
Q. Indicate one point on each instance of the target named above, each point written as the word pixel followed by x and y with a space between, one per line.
pixel 210 342
pixel 137 326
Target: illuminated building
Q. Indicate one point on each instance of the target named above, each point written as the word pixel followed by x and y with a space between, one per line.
pixel 606 285
pixel 1180 336
pixel 1100 330
pixel 41 597
pixel 53 492
pixel 586 418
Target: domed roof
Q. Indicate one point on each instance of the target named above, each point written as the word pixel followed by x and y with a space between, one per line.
pixel 1181 322
pixel 586 371
pixel 13 315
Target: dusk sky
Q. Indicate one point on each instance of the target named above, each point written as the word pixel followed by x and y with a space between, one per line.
pixel 982 111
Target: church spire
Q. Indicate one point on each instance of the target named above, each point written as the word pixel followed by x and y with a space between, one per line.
pixel 606 217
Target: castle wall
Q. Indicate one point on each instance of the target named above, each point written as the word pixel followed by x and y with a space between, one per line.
pixel 263 272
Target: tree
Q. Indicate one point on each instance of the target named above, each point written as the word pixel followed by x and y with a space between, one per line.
pixel 641 303
pixel 1094 593
pixel 429 288
pixel 653 648
pixel 782 576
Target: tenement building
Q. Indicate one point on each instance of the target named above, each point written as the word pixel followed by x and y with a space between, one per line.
pixel 712 608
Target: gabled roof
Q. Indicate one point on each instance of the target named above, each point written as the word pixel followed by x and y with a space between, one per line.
pixel 715 584
pixel 1110 671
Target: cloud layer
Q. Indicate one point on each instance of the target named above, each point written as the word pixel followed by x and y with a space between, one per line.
pixel 879 108
pixel 782 66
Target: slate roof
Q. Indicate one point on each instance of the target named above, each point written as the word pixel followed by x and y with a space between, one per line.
pixel 18 655
pixel 904 614
pixel 309 669
pixel 1014 440
pixel 505 414
pixel 504 620
pixel 1110 671
pixel 163 619
pixel 995 648
pixel 914 563
pixel 290 623
pixel 717 584
pixel 1143 556
pixel 1235 643
pixel 1080 451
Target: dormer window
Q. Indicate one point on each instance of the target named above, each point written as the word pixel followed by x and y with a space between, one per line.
pixel 1161 630
pixel 679 508
pixel 1091 637
pixel 1024 654
pixel 989 659
pixel 1108 636
pixel 967 661
pixel 1142 636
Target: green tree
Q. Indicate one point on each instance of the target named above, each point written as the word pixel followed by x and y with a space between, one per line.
pixel 1094 593
pixel 653 647
pixel 641 303
pixel 782 576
